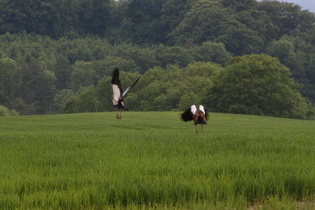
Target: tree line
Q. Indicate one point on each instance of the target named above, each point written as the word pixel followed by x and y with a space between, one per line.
pixel 37 72
pixel 250 84
pixel 52 53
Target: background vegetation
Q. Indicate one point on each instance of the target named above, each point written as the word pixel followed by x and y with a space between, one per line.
pixel 154 160
pixel 56 54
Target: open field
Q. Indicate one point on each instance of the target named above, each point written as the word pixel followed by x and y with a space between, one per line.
pixel 154 160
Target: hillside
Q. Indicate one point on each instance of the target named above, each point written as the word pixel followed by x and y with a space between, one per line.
pixel 52 53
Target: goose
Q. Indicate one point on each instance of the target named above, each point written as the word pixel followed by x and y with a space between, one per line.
pixel 118 94
pixel 198 116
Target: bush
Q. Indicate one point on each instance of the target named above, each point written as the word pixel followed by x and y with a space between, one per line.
pixel 4 111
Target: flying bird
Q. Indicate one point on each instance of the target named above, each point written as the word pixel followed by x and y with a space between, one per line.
pixel 118 94
pixel 198 116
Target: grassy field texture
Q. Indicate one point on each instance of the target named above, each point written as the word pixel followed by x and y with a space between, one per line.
pixel 154 160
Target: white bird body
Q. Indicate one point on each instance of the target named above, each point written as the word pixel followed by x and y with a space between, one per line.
pixel 116 94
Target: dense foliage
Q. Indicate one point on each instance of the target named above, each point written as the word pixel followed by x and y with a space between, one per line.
pixel 257 84
pixel 57 56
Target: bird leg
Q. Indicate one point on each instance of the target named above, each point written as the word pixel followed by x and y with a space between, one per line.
pixel 202 128
pixel 117 116
pixel 196 129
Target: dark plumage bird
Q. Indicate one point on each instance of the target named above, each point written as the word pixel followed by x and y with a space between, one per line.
pixel 118 94
pixel 198 116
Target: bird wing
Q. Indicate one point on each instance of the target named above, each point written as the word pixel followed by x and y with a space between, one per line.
pixel 115 79
pixel 130 87
pixel 202 108
pixel 188 115
pixel 204 111
pixel 193 109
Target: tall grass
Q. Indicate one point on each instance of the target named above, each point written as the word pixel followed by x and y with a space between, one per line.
pixel 153 160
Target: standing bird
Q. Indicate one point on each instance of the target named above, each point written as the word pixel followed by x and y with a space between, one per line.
pixel 198 116
pixel 118 95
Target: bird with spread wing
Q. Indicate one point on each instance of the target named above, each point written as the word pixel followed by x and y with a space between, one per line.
pixel 118 94
pixel 198 116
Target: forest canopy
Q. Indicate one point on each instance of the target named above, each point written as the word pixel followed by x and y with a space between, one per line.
pixel 55 56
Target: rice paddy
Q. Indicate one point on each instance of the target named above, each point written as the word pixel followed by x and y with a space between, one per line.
pixel 153 160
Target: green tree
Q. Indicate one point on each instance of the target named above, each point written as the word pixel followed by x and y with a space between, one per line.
pixel 210 52
pixel 172 56
pixel 172 13
pixel 286 17
pixel 32 16
pixel 257 84
pixel 62 70
pixel 211 21
pixel 22 107
pixel 46 90
pixel 87 102
pixel 83 75
pixel 143 58
pixel 31 73
pixel 38 88
pixel 61 99
pixel 188 99
pixel 94 16
pixel 167 89
pixel 200 77
pixel 72 105
pixel 9 80
pixel 205 21
pixel 135 21
pixel 104 94
pixel 106 66
pixel 298 55
pixel 281 49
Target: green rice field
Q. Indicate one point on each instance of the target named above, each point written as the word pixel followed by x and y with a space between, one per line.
pixel 153 160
